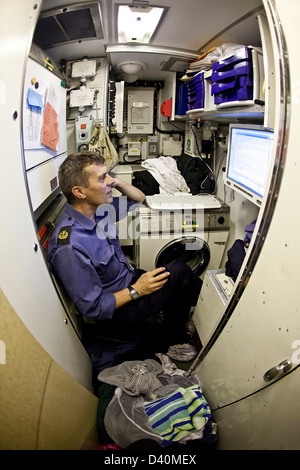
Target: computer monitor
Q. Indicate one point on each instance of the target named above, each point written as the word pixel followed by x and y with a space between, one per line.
pixel 249 155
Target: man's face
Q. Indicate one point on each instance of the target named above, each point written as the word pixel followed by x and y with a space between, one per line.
pixel 99 190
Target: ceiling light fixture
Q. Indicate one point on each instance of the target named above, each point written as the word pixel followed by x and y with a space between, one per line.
pixel 130 70
pixel 131 66
pixel 137 23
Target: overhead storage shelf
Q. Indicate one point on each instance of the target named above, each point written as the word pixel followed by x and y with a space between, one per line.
pixel 234 114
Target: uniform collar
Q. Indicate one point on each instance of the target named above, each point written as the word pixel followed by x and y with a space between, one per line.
pixel 80 218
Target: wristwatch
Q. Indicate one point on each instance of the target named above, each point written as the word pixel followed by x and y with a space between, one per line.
pixel 133 293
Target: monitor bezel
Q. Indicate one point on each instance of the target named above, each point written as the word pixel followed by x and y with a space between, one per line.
pixel 249 194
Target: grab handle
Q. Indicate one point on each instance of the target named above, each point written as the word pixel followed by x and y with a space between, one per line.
pixel 277 371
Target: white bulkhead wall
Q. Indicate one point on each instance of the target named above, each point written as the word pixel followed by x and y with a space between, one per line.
pixel 25 280
pixel 264 328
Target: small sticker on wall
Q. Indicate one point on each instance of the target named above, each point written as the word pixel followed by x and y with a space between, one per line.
pixel 53 183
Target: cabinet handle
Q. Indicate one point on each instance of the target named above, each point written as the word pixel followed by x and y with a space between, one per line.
pixel 277 371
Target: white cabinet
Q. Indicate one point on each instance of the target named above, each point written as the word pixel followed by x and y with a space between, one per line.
pixel 210 307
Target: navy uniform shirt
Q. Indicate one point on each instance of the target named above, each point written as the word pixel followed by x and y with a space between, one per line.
pixel 87 258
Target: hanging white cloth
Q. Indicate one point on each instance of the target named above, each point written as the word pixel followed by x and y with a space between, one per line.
pixel 166 173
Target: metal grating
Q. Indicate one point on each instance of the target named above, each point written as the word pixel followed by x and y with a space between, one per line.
pixel 65 24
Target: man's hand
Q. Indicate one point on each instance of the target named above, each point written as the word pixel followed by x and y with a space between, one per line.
pixel 147 283
pixel 151 281
pixel 128 190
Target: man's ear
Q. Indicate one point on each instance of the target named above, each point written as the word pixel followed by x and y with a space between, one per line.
pixel 78 192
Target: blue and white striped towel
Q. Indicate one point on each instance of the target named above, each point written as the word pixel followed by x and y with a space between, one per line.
pixel 179 414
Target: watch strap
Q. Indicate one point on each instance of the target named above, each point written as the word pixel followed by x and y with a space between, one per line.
pixel 133 293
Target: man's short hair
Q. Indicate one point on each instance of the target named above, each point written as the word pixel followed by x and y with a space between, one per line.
pixel 71 172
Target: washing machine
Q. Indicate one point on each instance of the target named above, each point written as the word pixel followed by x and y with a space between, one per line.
pixel 197 237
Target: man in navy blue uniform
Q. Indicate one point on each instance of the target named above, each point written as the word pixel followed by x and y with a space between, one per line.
pixel 142 311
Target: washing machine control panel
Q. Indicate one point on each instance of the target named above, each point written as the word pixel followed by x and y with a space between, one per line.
pixel 218 219
pixel 182 221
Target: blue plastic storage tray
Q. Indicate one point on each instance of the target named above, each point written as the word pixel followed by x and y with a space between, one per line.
pixel 240 55
pixel 238 88
pixel 196 104
pixel 181 99
pixel 232 70
pixel 232 78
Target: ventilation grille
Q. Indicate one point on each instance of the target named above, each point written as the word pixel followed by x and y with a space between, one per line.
pixel 58 26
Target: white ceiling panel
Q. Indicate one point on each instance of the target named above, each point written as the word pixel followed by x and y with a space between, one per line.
pixel 189 26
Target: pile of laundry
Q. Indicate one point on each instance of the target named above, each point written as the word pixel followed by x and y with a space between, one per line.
pixel 151 401
pixel 164 170
pixel 184 175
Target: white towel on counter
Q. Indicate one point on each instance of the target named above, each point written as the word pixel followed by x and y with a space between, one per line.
pixel 166 173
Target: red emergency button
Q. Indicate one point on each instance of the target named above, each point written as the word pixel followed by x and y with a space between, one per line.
pixel 83 126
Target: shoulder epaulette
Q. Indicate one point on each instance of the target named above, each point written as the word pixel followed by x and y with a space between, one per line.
pixel 63 237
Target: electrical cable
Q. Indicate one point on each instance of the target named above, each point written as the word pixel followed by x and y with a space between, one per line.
pixel 131 162
pixel 199 153
pixel 118 393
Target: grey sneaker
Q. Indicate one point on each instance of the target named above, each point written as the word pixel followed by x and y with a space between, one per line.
pixel 182 352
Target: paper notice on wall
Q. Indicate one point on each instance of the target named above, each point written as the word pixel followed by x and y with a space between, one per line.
pixel 33 118
pixel 50 130
pixel 50 133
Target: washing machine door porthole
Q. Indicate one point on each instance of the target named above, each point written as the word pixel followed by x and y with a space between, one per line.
pixel 192 250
